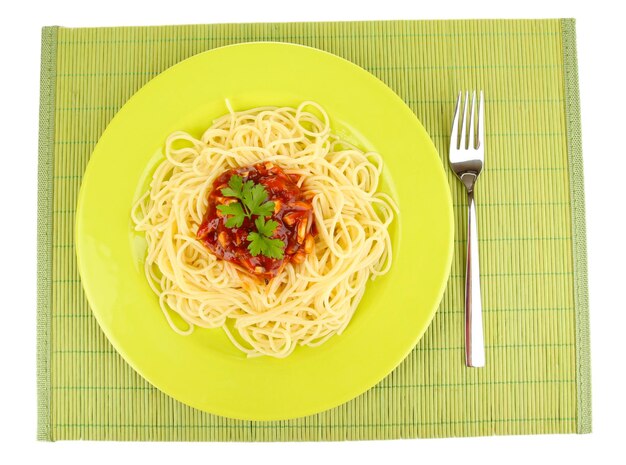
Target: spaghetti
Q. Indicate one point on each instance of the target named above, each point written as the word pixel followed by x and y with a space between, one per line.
pixel 308 301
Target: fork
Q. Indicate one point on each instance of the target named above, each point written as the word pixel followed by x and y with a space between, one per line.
pixel 466 160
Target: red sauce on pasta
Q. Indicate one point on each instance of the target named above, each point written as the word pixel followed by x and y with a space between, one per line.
pixel 292 211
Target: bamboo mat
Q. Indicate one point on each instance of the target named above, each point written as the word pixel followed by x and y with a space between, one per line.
pixel 531 220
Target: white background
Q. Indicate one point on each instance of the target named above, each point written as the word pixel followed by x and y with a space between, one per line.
pixel 601 40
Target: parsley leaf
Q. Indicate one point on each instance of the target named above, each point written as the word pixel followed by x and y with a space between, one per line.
pixel 259 244
pixel 235 186
pixel 261 241
pixel 256 241
pixel 265 209
pixel 253 197
pixel 265 228
pixel 255 201
pixel 234 209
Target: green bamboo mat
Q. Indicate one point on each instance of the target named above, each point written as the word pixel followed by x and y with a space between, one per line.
pixel 531 222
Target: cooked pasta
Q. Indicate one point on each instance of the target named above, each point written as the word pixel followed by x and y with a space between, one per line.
pixel 305 303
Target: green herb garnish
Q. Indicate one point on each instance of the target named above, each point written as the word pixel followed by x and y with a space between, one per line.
pixel 253 201
pixel 261 241
pixel 235 214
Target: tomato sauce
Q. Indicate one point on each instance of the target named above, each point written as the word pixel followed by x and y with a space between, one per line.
pixel 292 211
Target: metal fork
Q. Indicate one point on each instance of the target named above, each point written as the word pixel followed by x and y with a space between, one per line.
pixel 467 156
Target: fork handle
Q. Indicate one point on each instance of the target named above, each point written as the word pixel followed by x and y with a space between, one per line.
pixel 474 343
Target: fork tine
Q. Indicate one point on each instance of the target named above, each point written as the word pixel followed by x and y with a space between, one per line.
pixel 481 121
pixel 454 141
pixel 472 127
pixel 463 144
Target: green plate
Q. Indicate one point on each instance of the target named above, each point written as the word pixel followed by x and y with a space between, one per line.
pixel 205 370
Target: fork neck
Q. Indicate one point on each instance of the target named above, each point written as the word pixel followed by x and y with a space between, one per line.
pixel 469 179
